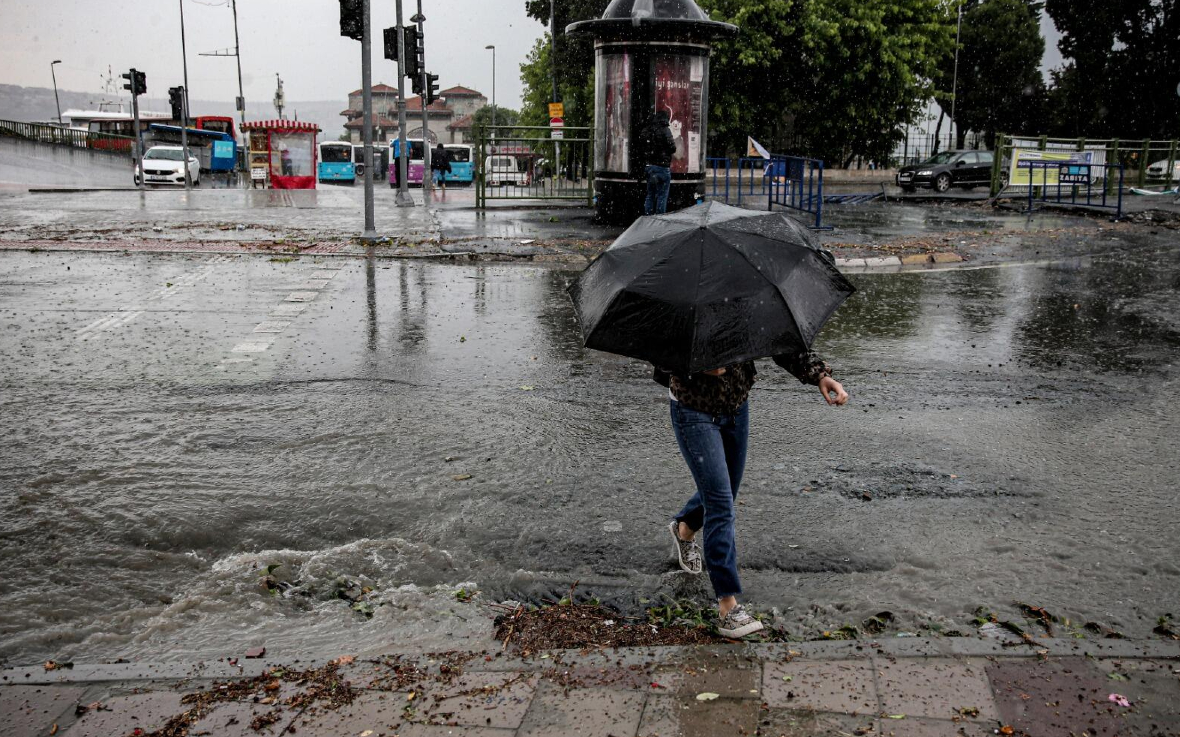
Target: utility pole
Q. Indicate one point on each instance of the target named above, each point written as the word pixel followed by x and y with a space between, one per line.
pixel 241 101
pixel 555 98
pixel 403 198
pixel 136 90
pixel 370 233
pixel 188 181
pixel 427 175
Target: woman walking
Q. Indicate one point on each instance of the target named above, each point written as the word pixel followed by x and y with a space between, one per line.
pixel 711 420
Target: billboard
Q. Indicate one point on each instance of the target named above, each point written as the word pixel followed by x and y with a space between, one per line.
pixel 1060 167
pixel 679 81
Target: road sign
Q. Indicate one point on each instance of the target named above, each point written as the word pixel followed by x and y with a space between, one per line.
pixel 556 110
pixel 557 134
pixel 556 122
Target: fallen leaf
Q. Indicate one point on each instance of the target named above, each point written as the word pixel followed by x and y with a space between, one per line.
pixel 1116 676
pixel 896 716
pixel 787 679
pixel 526 388
pixel 1119 699
pixel 1007 730
pixel 344 659
pixel 707 696
pixel 461 477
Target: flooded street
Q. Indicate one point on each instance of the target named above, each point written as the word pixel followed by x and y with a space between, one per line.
pixel 173 425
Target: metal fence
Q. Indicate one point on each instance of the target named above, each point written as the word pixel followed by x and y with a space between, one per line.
pixel 1144 162
pixel 737 179
pixel 794 182
pixel 1079 185
pixel 531 163
pixel 58 135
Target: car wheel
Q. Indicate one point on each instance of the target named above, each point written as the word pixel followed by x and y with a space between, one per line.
pixel 942 183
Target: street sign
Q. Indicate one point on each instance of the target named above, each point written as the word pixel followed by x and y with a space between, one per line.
pixel 556 110
pixel 557 134
pixel 556 122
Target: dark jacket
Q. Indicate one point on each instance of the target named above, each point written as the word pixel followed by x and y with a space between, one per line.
pixel 658 144
pixel 719 395
pixel 440 160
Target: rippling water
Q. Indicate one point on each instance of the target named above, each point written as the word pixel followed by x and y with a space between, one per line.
pixel 1012 426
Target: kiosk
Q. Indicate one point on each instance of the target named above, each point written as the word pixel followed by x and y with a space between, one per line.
pixel 649 55
pixel 281 154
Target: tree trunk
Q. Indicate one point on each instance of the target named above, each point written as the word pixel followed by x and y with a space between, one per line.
pixel 938 131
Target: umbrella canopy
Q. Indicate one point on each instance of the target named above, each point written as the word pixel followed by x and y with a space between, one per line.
pixel 708 286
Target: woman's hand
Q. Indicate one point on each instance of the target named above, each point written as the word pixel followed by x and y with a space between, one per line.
pixel 832 390
pixel 714 372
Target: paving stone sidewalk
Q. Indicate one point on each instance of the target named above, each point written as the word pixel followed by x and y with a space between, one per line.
pixel 910 687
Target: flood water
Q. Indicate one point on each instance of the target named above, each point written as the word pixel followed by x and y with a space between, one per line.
pixel 1012 436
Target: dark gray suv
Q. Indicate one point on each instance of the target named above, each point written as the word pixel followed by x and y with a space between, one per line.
pixel 948 169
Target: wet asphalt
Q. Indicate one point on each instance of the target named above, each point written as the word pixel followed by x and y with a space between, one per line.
pixel 174 424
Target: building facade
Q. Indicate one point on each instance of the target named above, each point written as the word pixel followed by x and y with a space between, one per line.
pixel 449 117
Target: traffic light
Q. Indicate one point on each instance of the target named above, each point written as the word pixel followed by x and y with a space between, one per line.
pixel 411 40
pixel 176 99
pixel 390 36
pixel 352 20
pixel 431 88
pixel 136 82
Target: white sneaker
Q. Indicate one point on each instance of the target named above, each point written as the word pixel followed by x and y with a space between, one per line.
pixel 738 624
pixel 688 553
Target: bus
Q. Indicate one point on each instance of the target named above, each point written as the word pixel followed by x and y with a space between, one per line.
pixel 462 163
pixel 380 160
pixel 218 123
pixel 336 162
pixel 415 161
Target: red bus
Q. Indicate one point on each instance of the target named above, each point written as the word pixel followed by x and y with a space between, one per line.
pixel 218 123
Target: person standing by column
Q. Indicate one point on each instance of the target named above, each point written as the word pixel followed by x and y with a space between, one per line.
pixel 658 147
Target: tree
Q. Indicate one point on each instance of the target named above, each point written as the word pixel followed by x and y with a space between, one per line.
pixel 1000 87
pixel 503 116
pixel 833 79
pixel 1122 68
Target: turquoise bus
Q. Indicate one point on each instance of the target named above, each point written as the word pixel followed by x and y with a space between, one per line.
pixel 336 162
pixel 462 163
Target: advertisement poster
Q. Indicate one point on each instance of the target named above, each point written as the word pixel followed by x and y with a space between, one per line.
pixel 613 113
pixel 679 88
pixel 1023 173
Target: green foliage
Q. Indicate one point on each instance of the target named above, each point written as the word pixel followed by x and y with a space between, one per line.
pixel 1000 87
pixel 502 116
pixel 1122 68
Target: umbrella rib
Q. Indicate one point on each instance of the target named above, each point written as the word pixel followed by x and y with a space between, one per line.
pixel 778 291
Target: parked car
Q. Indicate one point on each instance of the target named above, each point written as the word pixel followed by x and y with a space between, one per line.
pixel 948 169
pixel 164 165
pixel 501 170
pixel 1159 170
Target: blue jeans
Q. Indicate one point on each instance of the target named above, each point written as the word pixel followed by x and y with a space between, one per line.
pixel 438 176
pixel 659 181
pixel 714 446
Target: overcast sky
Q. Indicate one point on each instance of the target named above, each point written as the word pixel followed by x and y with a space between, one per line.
pixel 299 39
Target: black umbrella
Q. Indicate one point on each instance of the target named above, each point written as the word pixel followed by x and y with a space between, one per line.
pixel 706 287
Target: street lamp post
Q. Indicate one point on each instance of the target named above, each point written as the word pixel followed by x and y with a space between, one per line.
pixel 955 80
pixel 493 48
pixel 188 182
pixel 55 100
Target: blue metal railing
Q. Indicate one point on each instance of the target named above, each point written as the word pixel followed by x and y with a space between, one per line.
pixel 794 182
pixel 1068 183
pixel 797 183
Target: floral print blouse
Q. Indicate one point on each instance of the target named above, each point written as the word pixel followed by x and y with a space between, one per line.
pixel 725 394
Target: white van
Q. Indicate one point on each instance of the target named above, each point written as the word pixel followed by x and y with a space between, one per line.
pixel 501 170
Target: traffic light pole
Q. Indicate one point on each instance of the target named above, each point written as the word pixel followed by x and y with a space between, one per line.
pixel 403 198
pixel 427 174
pixel 370 232
pixel 138 141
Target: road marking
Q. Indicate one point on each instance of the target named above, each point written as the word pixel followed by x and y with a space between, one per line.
pixel 300 296
pixel 271 327
pixel 286 310
pixel 314 284
pixel 251 346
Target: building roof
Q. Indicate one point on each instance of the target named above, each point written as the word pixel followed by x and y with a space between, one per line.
pixel 459 91
pixel 281 125
pixel 383 88
pixel 415 104
pixel 379 121
pixel 463 123
pixel 350 113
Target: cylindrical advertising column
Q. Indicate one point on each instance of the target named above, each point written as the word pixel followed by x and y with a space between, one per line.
pixel 649 60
